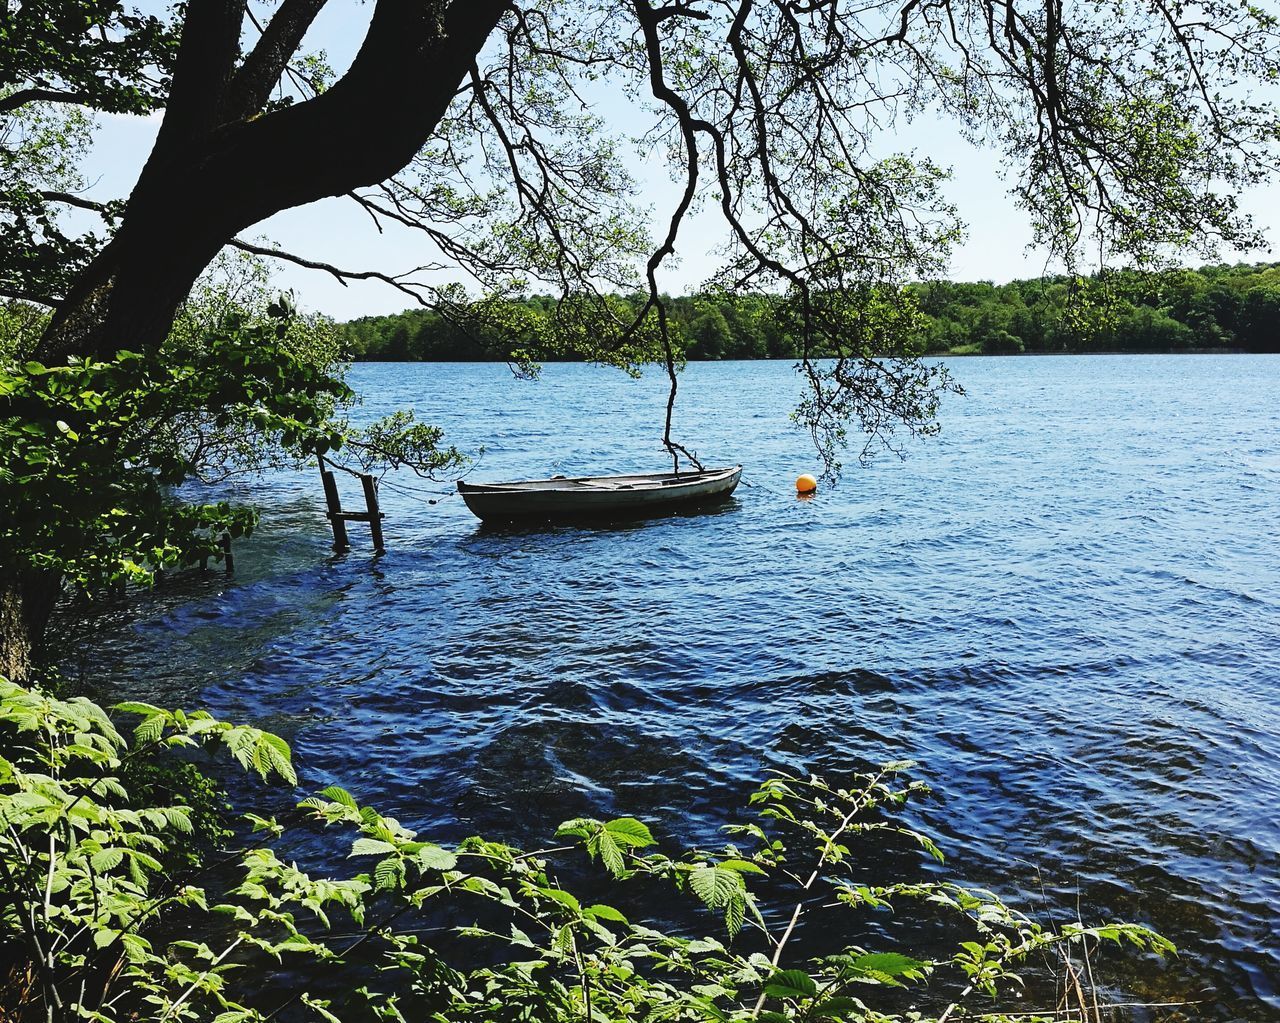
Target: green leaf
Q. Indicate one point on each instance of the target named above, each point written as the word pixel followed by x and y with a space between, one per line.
pixel 271 753
pixel 579 827
pixel 929 846
pixel 371 847
pixel 178 818
pixel 734 914
pixel 561 896
pixel 135 707
pixel 839 1007
pixel 742 866
pixel 563 942
pixel 609 853
pixel 339 795
pixel 599 912
pixel 629 832
pixel 106 859
pixel 388 874
pixel 434 858
pixel 889 964
pixel 149 729
pixel 320 1008
pixel 716 887
pixel 793 984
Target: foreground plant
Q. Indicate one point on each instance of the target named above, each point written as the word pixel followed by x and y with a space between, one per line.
pixel 91 454
pixel 87 907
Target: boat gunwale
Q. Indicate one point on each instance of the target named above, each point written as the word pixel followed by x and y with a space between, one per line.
pixel 532 486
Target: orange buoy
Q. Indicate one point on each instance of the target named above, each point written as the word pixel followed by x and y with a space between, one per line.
pixel 806 484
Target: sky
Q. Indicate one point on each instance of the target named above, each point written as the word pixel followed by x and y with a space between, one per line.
pixel 336 231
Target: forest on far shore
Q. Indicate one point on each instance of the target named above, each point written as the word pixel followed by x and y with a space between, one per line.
pixel 1215 308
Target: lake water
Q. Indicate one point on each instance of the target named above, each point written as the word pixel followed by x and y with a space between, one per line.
pixel 1066 608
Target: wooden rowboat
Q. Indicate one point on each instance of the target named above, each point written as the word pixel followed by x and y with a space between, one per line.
pixel 584 497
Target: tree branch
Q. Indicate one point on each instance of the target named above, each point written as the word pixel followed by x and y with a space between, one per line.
pixel 26 296
pixel 37 95
pixel 68 199
pixel 409 51
pixel 206 58
pixel 342 276
pixel 266 62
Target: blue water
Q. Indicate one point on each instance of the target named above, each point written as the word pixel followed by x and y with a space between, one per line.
pixel 1066 608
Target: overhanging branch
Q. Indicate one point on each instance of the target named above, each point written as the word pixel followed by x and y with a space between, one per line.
pixel 409 288
pixel 69 199
pixel 37 95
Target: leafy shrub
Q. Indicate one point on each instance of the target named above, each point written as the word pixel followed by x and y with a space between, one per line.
pixel 168 781
pixel 87 901
pixel 88 466
pixel 1001 342
pixel 90 452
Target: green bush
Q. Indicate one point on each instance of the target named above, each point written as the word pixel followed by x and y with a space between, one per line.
pixel 168 781
pixel 89 459
pixel 1001 342
pixel 87 902
pixel 91 451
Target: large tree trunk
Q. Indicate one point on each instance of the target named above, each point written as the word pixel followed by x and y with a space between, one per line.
pixel 26 602
pixel 218 168
pixel 220 165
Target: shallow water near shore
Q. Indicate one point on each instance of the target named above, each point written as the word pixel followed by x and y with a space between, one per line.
pixel 1066 608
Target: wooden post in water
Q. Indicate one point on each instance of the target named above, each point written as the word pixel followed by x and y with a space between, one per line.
pixel 375 515
pixel 334 505
pixel 338 518
pixel 227 558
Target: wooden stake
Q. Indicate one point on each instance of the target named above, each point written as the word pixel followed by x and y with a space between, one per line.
pixel 375 515
pixel 227 558
pixel 334 505
pixel 338 518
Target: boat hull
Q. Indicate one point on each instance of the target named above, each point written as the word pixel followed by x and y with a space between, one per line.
pixel 596 497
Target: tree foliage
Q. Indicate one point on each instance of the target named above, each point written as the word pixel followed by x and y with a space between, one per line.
pixel 1127 129
pixel 41 252
pixel 95 450
pixel 1213 308
pixel 62 63
pixel 91 461
pixel 482 931
pixel 96 54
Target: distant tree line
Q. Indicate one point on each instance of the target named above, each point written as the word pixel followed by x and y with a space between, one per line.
pixel 1223 308
pixel 1215 307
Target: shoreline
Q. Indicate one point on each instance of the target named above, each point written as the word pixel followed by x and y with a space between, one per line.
pixel 827 358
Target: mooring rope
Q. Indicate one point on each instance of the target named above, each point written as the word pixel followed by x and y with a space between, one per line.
pixel 417 493
pixel 761 486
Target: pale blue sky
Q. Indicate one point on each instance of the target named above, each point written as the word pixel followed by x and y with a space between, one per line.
pixel 336 231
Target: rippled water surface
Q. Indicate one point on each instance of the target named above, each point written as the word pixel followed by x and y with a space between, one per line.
pixel 1066 608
